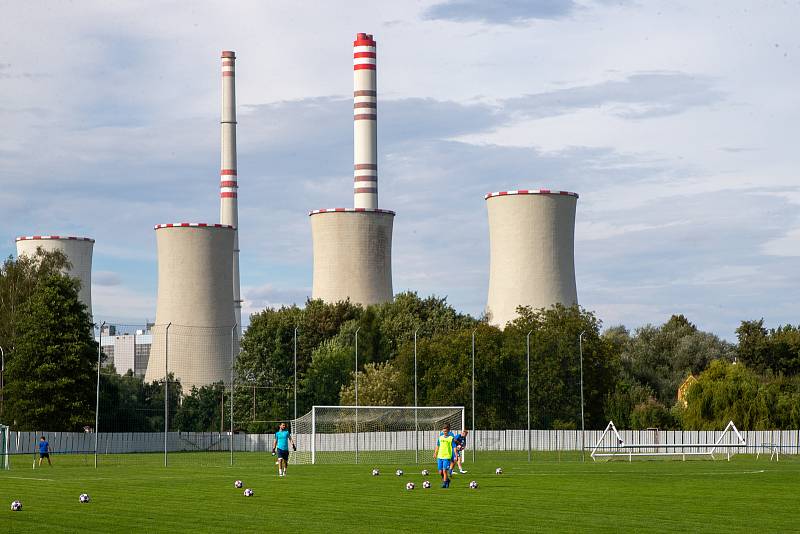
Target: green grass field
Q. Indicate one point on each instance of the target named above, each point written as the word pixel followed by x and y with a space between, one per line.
pixel 140 495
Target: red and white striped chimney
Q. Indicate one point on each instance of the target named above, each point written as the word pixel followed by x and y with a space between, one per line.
pixel 365 124
pixel 228 186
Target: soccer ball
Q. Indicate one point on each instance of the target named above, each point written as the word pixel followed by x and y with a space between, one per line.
pixel 16 506
pixel 84 498
pixel 375 472
pixel 426 484
pixel 473 485
pixel 238 484
pixel 498 471
pixel 399 472
pixel 425 472
pixel 248 492
pixel 410 486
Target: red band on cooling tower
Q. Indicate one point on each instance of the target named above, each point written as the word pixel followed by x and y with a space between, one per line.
pixel 228 184
pixel 365 190
pixel 228 53
pixel 365 166
pixel 227 73
pixel 363 54
pixel 373 105
pixel 529 192
pixel 228 172
pixel 364 66
pixel 365 178
pixel 365 117
pixel 351 210
pixel 191 225
pixel 228 195
pixel 49 237
pixel 363 92
pixel 228 63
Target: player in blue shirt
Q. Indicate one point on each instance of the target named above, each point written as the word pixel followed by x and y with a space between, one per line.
pixel 44 451
pixel 461 444
pixel 455 448
pixel 281 443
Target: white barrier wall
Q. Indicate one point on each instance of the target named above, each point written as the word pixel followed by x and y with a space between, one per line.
pixel 785 441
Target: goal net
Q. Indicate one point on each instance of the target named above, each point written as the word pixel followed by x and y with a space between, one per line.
pixel 371 434
pixel 4 445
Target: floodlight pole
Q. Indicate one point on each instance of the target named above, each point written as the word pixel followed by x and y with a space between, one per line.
pixel 356 380
pixel 295 376
pixel 475 439
pixel 528 381
pixel 97 390
pixel 166 390
pixel 583 428
pixel 416 419
pixel 2 379
pixel 233 362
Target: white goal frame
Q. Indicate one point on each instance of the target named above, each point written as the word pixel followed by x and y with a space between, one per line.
pixel 415 429
pixel 5 443
pixel 629 450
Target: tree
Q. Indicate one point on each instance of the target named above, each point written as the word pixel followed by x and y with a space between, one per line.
pixel 51 379
pixel 331 364
pixel 377 386
pixel 201 410
pixel 18 280
pixel 776 350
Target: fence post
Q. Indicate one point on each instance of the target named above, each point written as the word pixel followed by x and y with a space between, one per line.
pixel 356 381
pixel 473 395
pixel 416 420
pixel 97 393
pixel 528 382
pixel 166 390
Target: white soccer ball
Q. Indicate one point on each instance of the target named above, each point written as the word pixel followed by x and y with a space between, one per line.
pixel 84 498
pixel 473 485
pixel 498 471
pixel 410 486
pixel 16 506
pixel 426 484
pixel 238 484
pixel 425 472
pixel 399 472
pixel 248 492
pixel 375 472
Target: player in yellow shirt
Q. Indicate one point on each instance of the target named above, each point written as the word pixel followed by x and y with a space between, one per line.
pixel 443 454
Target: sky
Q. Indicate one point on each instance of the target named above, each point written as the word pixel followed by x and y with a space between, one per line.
pixel 675 121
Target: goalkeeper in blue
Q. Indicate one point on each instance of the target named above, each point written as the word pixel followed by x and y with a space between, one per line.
pixel 281 443
pixel 443 454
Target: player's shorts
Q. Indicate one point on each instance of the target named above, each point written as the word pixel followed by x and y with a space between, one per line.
pixel 44 455
pixel 442 463
pixel 283 454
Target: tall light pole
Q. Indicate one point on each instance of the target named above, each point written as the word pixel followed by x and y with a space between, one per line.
pixel 475 439
pixel 295 376
pixel 356 380
pixel 416 422
pixel 583 428
pixel 3 377
pixel 528 358
pixel 97 391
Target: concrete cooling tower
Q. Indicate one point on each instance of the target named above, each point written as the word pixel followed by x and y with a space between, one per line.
pixel 78 251
pixel 195 277
pixel 353 246
pixel 531 235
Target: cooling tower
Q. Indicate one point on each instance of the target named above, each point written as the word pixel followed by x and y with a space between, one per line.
pixel 353 246
pixel 228 186
pixel 352 255
pixel 195 277
pixel 78 251
pixel 531 236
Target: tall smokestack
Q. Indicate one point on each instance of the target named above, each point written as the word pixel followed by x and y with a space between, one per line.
pixel 365 123
pixel 229 205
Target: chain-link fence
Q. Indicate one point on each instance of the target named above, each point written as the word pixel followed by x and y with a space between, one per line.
pixel 174 394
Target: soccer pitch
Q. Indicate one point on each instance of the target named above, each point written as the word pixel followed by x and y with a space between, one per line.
pixel 140 495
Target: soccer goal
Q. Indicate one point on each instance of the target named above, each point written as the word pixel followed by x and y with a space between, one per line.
pixel 4 445
pixel 371 434
pixel 636 444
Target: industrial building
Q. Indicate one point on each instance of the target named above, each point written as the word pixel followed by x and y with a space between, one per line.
pixel 532 260
pixel 78 251
pixel 194 333
pixel 352 247
pixel 126 351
